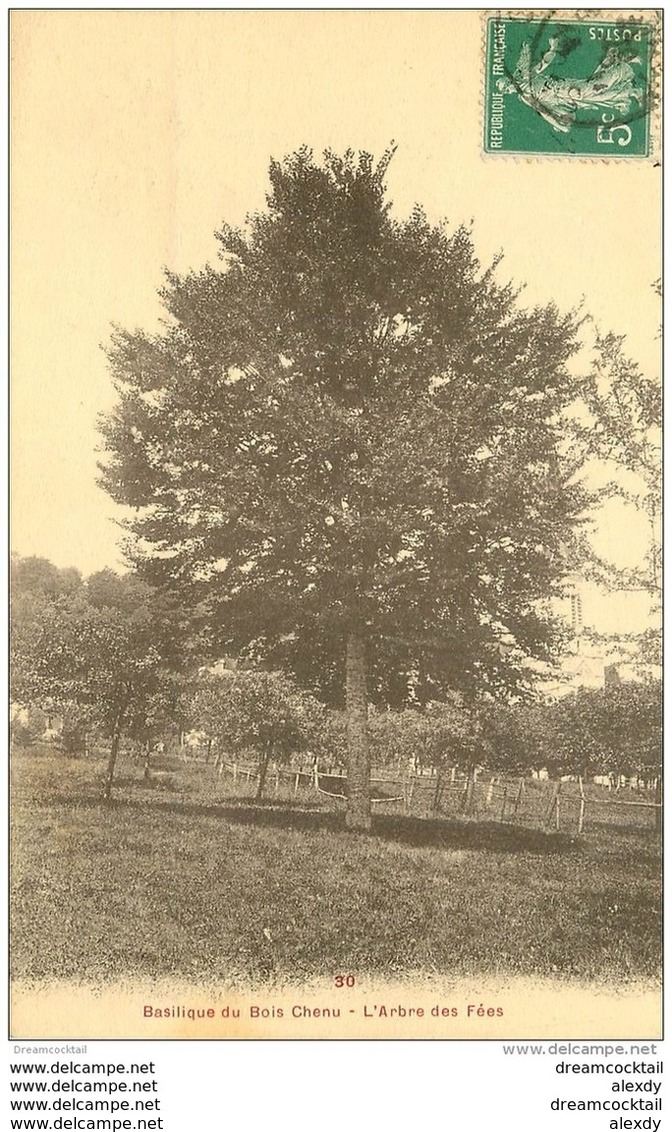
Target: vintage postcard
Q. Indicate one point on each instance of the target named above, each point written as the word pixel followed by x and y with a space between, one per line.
pixel 335 494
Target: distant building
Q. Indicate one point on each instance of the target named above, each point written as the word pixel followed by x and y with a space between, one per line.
pixel 604 628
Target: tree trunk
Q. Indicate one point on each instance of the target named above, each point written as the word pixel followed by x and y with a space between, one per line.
pixel 263 767
pixel 358 813
pixel 114 751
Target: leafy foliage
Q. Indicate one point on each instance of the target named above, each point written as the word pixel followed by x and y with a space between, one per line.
pixel 103 653
pixel 438 735
pixel 623 432
pixel 27 726
pixel 351 423
pixel 616 729
pixel 347 441
pixel 260 711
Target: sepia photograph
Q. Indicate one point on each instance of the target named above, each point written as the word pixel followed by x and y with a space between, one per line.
pixel 335 507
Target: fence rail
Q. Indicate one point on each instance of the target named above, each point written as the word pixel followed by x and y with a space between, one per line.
pixel 551 804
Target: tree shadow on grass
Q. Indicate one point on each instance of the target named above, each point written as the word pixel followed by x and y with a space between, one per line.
pixel 412 831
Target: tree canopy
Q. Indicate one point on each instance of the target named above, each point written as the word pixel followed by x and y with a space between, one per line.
pixel 348 438
pixel 109 646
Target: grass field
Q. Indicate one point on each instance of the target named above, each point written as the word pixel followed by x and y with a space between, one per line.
pixel 181 879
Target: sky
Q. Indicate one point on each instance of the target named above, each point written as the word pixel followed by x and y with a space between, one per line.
pixel 135 134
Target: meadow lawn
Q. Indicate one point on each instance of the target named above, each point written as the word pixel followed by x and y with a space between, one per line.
pixel 179 878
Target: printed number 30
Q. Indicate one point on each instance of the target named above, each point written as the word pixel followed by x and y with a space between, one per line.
pixel 344 980
pixel 606 136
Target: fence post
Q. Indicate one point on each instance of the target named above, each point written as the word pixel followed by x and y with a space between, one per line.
pixel 468 805
pixel 438 791
pixel 296 783
pixel 501 816
pixel 465 794
pixel 552 807
pixel 519 796
pixel 582 806
pixel 488 796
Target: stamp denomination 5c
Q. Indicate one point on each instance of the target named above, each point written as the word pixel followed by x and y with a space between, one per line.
pixel 562 85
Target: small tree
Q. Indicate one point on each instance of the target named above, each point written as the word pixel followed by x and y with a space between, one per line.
pixel 518 736
pixel 437 735
pixel 109 655
pixel 37 579
pixel 260 711
pixel 616 729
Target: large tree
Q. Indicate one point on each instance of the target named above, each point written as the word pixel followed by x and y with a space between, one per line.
pixel 347 435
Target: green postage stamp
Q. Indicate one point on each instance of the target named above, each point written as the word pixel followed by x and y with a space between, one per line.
pixel 565 84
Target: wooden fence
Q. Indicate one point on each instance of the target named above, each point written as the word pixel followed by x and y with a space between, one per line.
pixel 565 806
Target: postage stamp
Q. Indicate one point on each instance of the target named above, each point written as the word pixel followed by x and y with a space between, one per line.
pixel 570 86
